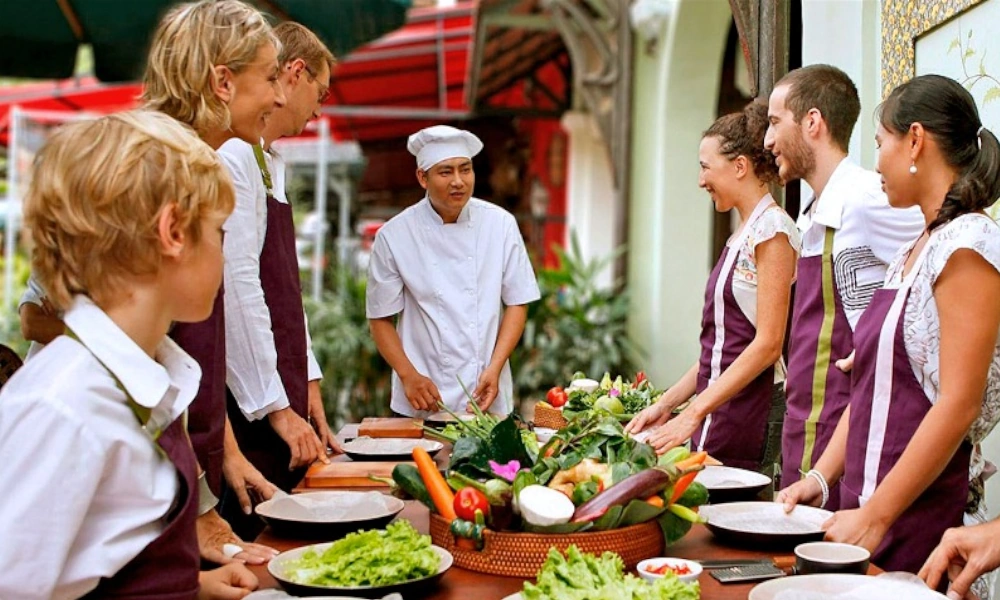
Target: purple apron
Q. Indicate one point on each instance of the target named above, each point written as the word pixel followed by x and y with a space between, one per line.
pixel 279 278
pixel 206 343
pixel 817 391
pixel 735 432
pixel 166 569
pixel 885 391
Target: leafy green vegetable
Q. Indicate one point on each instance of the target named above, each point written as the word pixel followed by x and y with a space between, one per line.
pixel 579 576
pixel 375 557
pixel 471 456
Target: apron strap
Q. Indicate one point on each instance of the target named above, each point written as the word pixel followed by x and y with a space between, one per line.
pixel 824 349
pixel 258 153
pixel 142 413
pixel 884 372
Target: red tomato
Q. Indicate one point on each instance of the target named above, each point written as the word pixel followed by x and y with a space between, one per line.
pixel 665 567
pixel 556 397
pixel 467 501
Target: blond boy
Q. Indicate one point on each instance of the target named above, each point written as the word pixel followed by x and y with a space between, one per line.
pixel 126 213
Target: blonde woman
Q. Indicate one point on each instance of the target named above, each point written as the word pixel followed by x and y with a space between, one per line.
pixel 214 66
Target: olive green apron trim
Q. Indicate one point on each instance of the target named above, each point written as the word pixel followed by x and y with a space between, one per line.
pixel 821 367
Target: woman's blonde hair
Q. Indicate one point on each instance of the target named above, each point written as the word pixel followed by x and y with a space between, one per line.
pixel 97 191
pixel 191 40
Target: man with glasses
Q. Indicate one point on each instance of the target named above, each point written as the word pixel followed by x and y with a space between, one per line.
pixel 273 378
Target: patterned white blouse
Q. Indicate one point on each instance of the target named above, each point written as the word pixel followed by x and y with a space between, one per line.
pixel 771 222
pixel 922 324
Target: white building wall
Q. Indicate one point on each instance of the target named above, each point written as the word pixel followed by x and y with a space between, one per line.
pixel 847 34
pixel 675 96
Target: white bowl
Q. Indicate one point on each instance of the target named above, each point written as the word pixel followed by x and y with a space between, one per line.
pixel 544 434
pixel 659 561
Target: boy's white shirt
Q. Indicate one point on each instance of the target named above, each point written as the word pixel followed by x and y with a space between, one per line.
pixel 251 355
pixel 85 487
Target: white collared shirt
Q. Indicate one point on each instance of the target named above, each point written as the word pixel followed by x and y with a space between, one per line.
pixel 251 356
pixel 85 488
pixel 869 232
pixel 448 282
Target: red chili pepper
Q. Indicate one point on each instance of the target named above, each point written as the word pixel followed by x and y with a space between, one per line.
pixel 467 501
pixel 639 378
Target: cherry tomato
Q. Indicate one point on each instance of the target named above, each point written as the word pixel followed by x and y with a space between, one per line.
pixel 556 397
pixel 467 501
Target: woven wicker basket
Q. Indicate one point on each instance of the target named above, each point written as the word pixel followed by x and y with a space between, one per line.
pixel 522 554
pixel 547 416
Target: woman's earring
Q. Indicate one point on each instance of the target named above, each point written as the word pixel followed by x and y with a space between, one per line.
pixel 913 168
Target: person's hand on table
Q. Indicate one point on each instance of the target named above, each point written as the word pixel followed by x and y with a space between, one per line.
pixel 421 392
pixel 218 543
pixel 651 416
pixel 857 527
pixel 243 477
pixel 229 582
pixel 674 432
pixel 304 444
pixel 964 554
pixel 317 413
pixel 487 389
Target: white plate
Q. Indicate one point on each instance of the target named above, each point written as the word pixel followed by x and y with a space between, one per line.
pixel 765 523
pixel 844 587
pixel 330 507
pixel 725 478
pixel 388 446
pixel 277 570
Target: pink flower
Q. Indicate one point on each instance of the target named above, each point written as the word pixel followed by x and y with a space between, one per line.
pixel 507 471
pixel 614 392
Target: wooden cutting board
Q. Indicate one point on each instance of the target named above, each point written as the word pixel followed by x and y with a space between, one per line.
pixel 391 427
pixel 343 472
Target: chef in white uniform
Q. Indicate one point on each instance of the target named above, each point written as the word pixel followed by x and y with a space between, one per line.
pixel 455 270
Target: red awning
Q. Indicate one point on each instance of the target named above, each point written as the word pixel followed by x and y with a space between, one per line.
pixel 69 95
pixel 406 80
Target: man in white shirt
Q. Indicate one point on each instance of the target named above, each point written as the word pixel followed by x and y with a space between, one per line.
pixel 849 236
pixel 455 270
pixel 271 372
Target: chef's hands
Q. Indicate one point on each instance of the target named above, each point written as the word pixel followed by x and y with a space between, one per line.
pixel 214 532
pixel 858 527
pixel 964 553
pixel 675 432
pixel 229 582
pixel 652 416
pixel 804 491
pixel 487 389
pixel 421 392
pixel 317 413
pixel 243 476
pixel 303 442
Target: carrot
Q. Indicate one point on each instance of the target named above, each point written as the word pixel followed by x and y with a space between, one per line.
pixel 655 500
pixel 437 487
pixel 698 458
pixel 682 485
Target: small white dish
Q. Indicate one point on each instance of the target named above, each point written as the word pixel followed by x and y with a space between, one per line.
pixel 692 570
pixel 544 434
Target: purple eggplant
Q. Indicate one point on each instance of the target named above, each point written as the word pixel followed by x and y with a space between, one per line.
pixel 641 485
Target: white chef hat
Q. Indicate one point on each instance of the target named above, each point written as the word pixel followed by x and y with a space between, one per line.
pixel 441 142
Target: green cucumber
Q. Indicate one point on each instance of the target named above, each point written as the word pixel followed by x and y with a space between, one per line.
pixel 407 477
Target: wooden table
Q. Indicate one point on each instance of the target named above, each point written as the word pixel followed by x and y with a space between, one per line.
pixel 460 584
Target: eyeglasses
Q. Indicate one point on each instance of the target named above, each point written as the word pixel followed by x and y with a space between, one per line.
pixel 324 92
